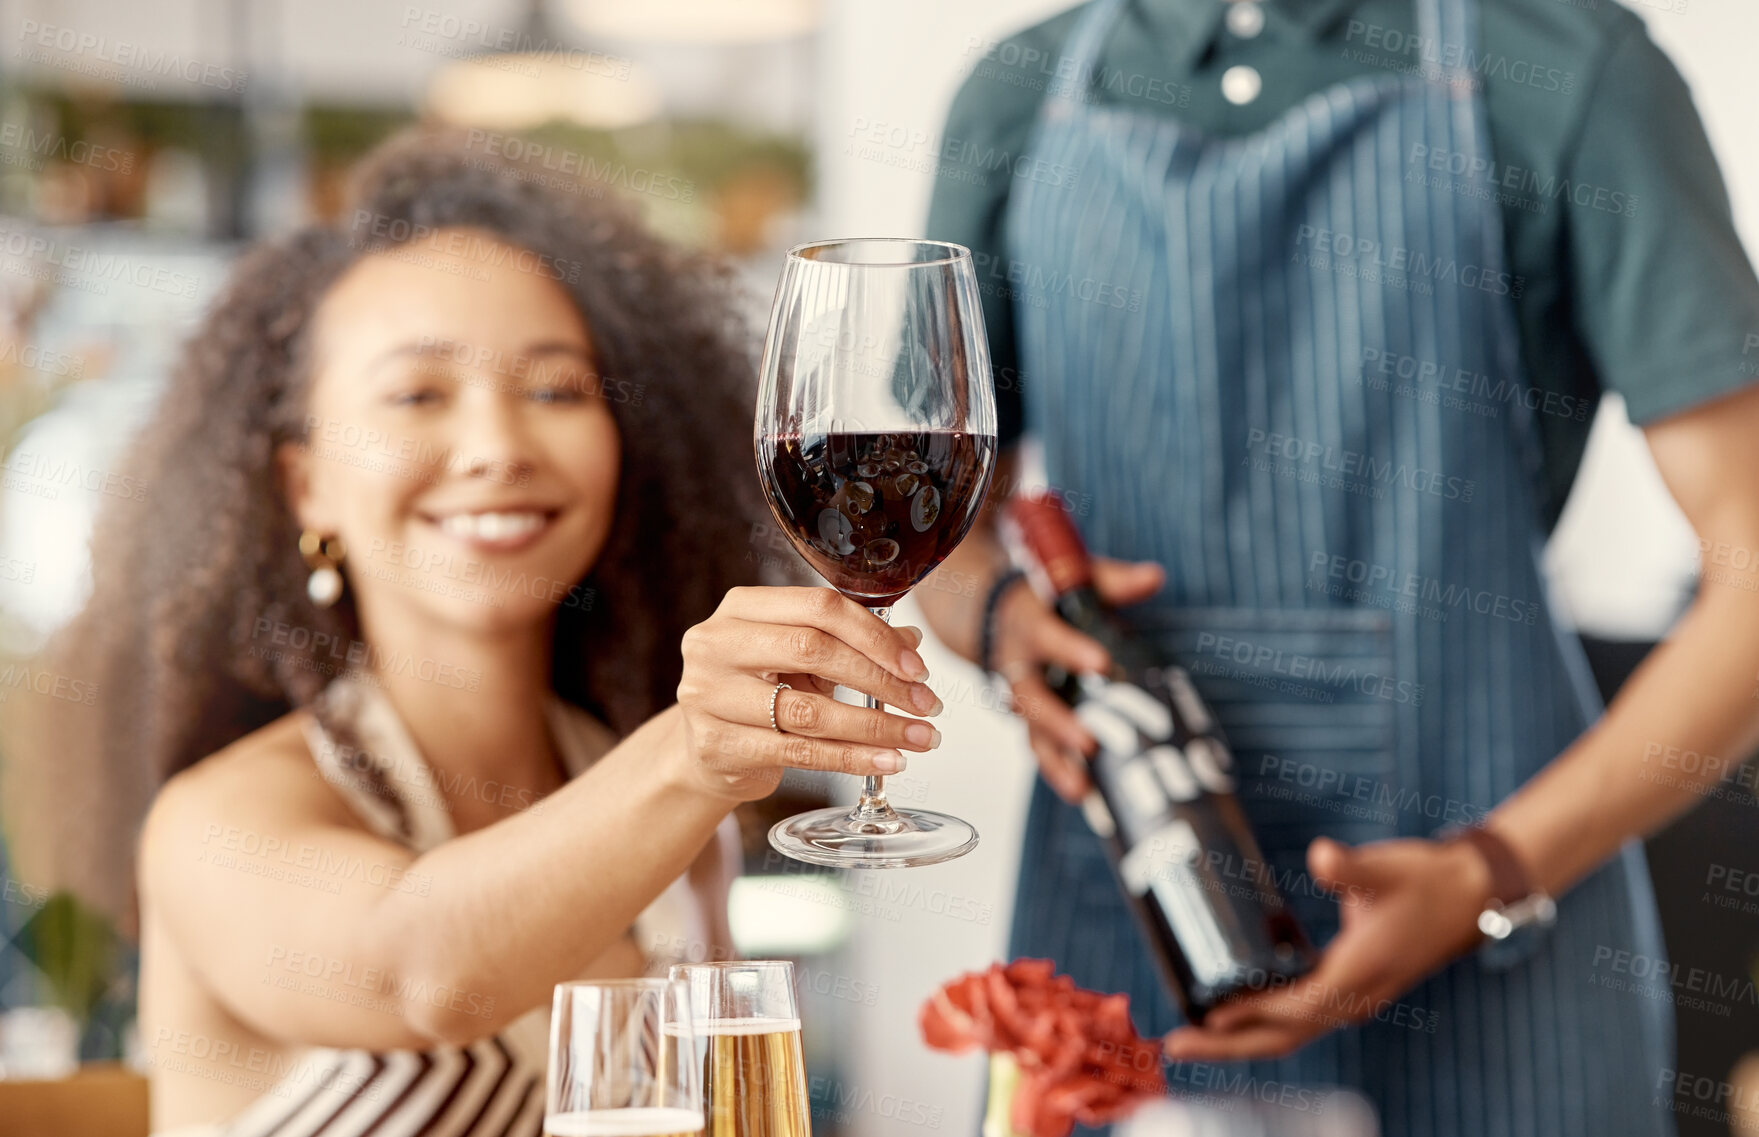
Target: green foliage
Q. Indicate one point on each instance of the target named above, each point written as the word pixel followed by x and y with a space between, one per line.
pixel 75 948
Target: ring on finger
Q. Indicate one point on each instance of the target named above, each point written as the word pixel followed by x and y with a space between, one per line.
pixel 774 695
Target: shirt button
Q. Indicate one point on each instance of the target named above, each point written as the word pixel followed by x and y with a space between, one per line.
pixel 1245 18
pixel 1241 84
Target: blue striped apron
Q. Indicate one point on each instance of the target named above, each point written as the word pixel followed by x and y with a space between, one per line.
pixel 1290 373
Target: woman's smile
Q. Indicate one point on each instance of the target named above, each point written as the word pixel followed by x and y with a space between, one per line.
pixel 497 529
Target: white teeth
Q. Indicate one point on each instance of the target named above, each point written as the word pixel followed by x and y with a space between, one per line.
pixel 491 526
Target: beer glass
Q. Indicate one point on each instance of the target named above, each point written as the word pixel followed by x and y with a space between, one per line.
pixel 621 1063
pixel 747 1046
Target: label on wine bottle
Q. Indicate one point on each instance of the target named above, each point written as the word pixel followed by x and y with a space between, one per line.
pixel 1144 798
pixel 1099 818
pixel 1108 728
pixel 1191 707
pixel 1150 715
pixel 1170 849
pixel 1117 712
pixel 1175 773
pixel 1211 762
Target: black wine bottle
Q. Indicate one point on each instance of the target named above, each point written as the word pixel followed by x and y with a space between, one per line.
pixel 1163 800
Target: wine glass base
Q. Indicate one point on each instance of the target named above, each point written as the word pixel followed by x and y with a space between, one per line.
pixel 905 838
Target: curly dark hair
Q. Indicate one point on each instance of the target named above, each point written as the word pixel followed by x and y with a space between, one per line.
pixel 181 581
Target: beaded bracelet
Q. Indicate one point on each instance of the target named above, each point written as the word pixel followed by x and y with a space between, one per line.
pixel 986 634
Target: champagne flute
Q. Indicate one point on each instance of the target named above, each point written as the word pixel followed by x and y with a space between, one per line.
pixel 747 1046
pixel 875 439
pixel 620 1061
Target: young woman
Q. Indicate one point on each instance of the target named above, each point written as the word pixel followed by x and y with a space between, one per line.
pixel 437 621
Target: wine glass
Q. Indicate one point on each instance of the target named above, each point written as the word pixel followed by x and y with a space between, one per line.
pixel 747 1045
pixel 876 438
pixel 622 1063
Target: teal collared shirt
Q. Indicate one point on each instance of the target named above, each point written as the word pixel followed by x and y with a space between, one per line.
pixel 1616 221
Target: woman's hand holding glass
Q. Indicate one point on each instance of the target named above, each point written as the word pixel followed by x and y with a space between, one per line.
pixel 812 639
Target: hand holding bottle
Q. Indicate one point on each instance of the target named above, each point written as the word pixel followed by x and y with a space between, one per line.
pixel 1030 635
pixel 1163 803
pixel 1416 910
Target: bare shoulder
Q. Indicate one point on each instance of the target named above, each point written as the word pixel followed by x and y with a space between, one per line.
pixel 265 783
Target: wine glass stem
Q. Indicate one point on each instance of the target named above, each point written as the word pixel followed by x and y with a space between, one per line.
pixel 873 803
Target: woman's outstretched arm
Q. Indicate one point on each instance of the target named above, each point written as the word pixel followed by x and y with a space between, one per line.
pixel 309 929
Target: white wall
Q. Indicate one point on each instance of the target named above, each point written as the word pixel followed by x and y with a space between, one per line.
pixel 1623 555
pixel 892 68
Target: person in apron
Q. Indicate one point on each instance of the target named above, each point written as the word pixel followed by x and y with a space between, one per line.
pixel 1352 574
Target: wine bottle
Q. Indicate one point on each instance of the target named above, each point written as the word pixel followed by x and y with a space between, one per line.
pixel 1163 800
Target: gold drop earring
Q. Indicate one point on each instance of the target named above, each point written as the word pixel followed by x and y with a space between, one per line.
pixel 322 555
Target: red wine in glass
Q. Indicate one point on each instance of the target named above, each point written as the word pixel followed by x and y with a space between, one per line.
pixel 875 435
pixel 875 511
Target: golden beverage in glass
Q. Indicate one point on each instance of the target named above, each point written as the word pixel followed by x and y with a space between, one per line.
pixel 753 1078
pixel 748 1048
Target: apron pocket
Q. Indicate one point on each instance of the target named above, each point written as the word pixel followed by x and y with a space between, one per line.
pixel 1308 699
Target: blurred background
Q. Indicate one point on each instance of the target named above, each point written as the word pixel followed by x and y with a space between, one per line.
pixel 143 144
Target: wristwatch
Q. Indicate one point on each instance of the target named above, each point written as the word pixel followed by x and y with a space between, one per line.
pixel 1514 902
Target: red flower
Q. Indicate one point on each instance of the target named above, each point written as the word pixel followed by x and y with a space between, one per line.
pixel 1080 1058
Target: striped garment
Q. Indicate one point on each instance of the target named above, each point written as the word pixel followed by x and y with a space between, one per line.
pixel 489 1087
pixel 495 1086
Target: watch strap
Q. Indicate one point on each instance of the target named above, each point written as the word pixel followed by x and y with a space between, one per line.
pixel 1515 910
pixel 1509 882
